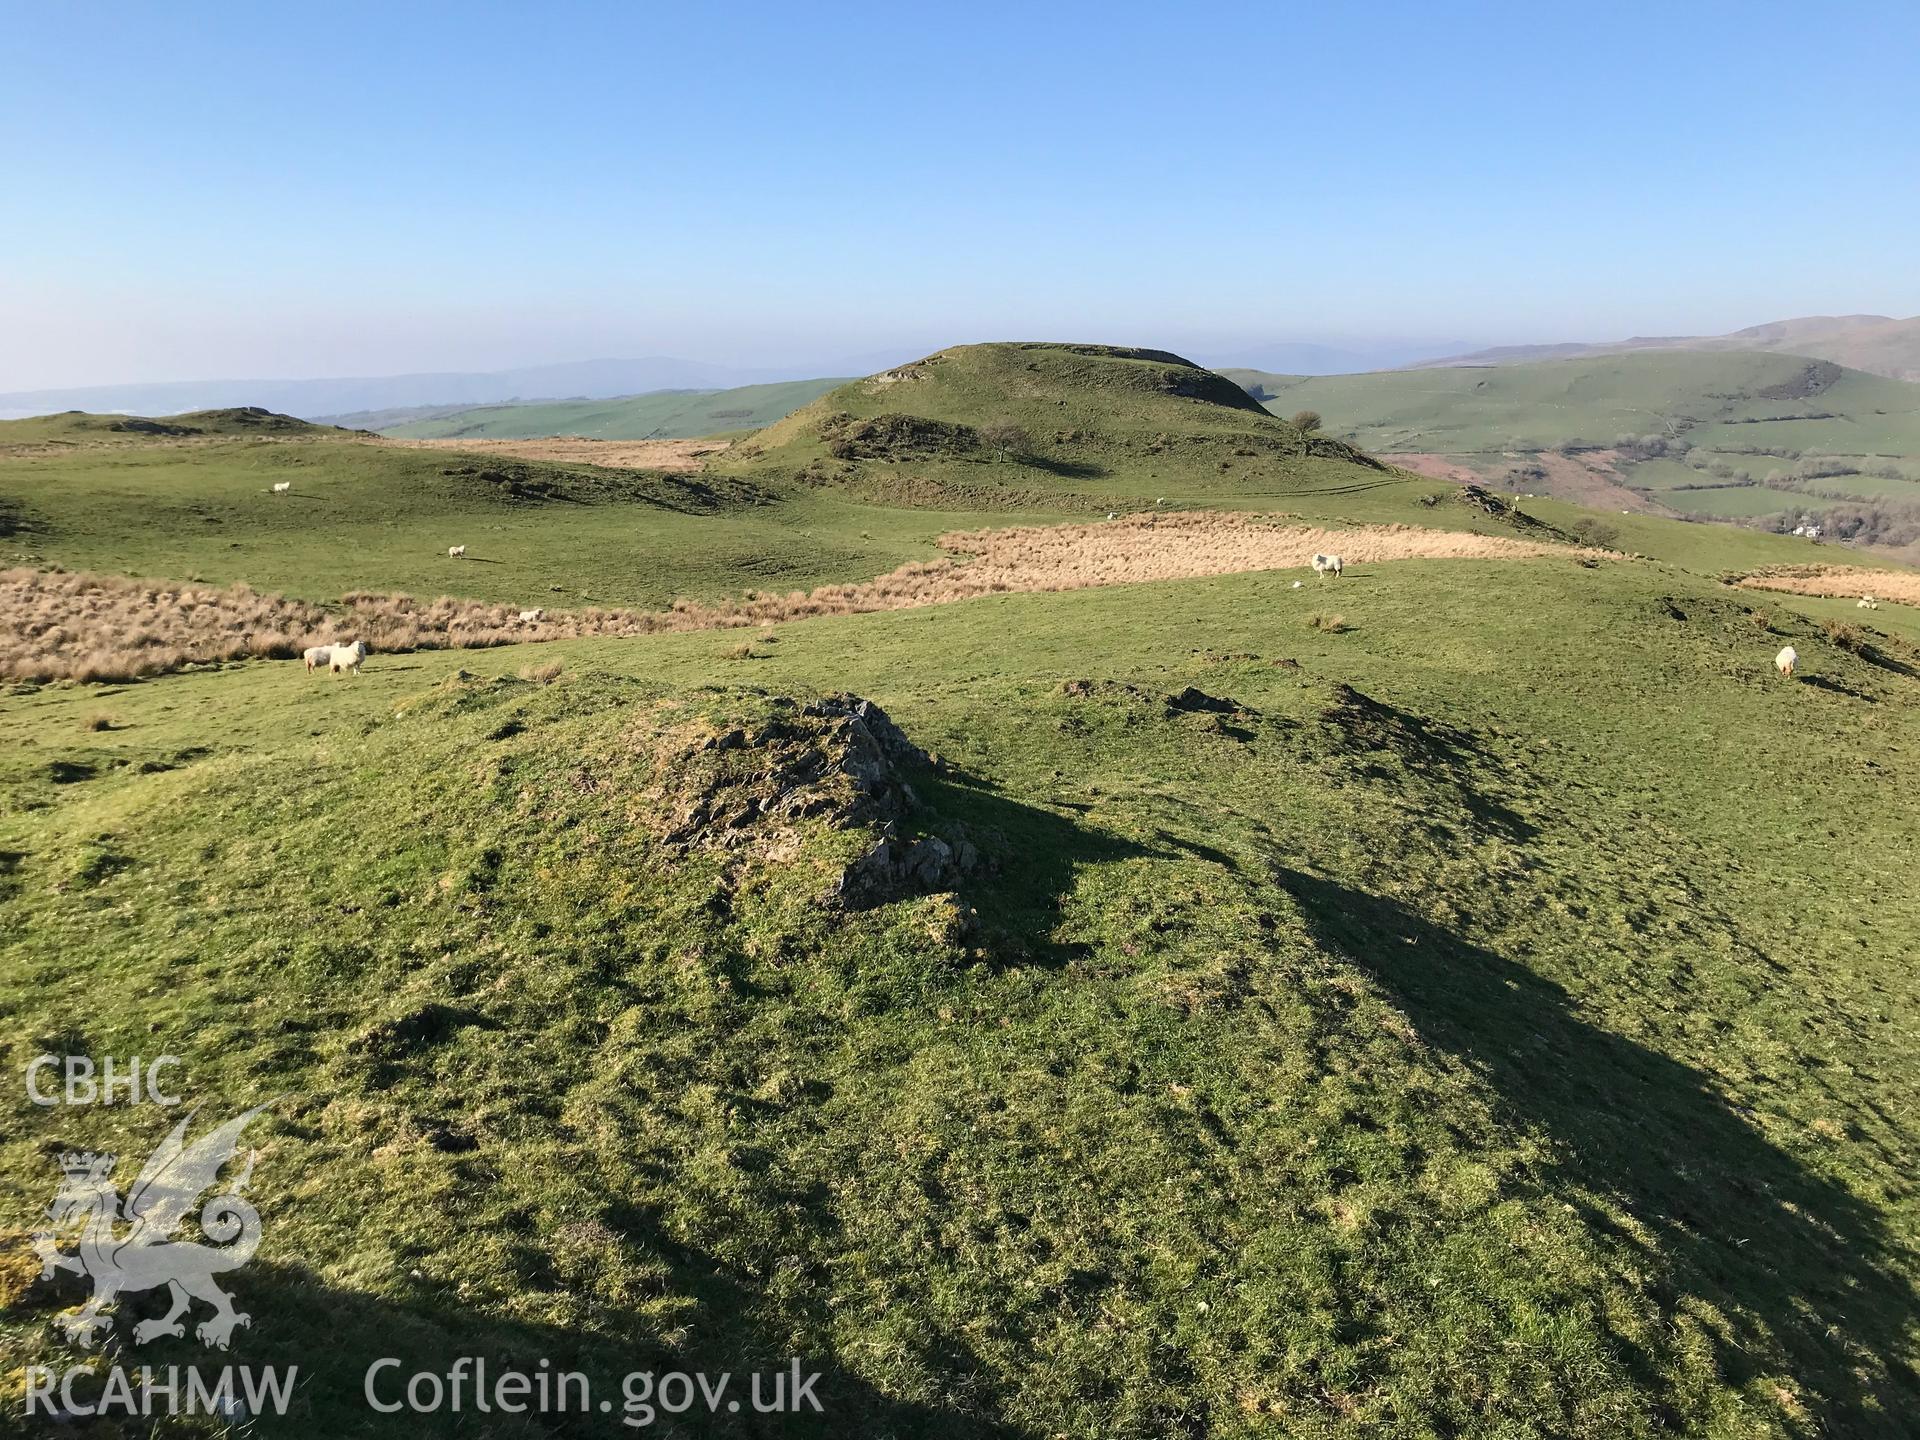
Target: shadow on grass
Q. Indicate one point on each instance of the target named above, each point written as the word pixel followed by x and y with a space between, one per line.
pixel 1807 1276
pixel 1064 469
pixel 334 1337
pixel 1875 656
pixel 1357 725
pixel 1837 687
pixel 1033 856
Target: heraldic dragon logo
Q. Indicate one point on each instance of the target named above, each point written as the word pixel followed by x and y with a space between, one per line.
pixel 146 1256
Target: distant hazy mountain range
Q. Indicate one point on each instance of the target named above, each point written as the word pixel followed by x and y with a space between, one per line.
pixel 310 399
pixel 1878 344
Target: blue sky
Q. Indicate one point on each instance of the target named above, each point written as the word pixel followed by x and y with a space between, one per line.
pixel 202 190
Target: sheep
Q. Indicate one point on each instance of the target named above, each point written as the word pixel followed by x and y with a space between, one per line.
pixel 316 655
pixel 1786 660
pixel 346 657
pixel 454 552
pixel 1111 514
pixel 529 617
pixel 280 487
pixel 1328 564
pixel 1296 584
pixel 1867 602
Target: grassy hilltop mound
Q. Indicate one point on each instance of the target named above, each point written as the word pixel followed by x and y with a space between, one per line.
pixel 1095 419
pixel 79 427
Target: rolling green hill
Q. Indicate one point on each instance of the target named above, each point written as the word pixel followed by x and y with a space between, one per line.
pixel 1097 430
pixel 1878 344
pixel 78 427
pixel 1795 438
pixel 664 414
pixel 781 513
pixel 1096 419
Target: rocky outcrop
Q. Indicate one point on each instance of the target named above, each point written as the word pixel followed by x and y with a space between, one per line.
pixel 839 762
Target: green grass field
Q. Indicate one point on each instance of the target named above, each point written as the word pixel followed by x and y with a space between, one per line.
pixel 364 516
pixel 1491 1016
pixel 1462 1061
pixel 1733 502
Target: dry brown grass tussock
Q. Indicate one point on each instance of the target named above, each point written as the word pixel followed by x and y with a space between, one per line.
pixel 575 450
pixel 56 625
pixel 1848 582
pixel 1194 543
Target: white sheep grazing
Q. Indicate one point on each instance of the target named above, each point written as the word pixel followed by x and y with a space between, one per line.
pixel 1111 514
pixel 281 487
pixel 529 617
pixel 346 657
pixel 1867 602
pixel 1296 584
pixel 316 656
pixel 1786 660
pixel 1328 565
pixel 454 552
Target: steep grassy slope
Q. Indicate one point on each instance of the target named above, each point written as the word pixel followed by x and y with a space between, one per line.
pixel 666 414
pixel 1793 435
pixel 1497 1027
pixel 981 420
